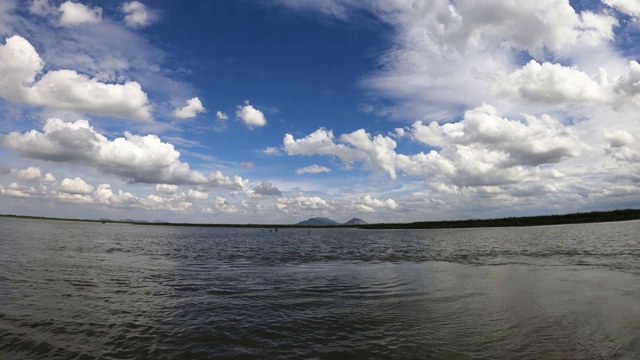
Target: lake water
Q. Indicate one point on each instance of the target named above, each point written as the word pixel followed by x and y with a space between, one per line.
pixel 72 290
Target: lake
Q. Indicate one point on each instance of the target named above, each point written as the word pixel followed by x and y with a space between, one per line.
pixel 74 290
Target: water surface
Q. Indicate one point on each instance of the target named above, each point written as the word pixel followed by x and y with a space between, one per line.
pixel 72 290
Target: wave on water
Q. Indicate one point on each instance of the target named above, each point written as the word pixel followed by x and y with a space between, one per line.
pixel 94 291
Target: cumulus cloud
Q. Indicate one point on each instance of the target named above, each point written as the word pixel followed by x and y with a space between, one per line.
pixel 216 178
pixel 557 84
pixel 137 14
pixel 48 178
pixel 166 188
pixel 31 173
pixel 369 204
pixel 481 149
pixel 220 124
pixel 41 8
pixel 266 189
pixel 16 190
pixel 73 14
pixel 434 40
pixel 77 191
pixel 629 7
pixel 75 186
pixel 145 159
pixel 271 150
pixel 123 199
pixel 522 24
pixel 628 84
pixel 622 146
pixel 222 205
pixel 20 66
pixel 197 194
pixel 552 83
pixel 251 116
pixel 312 169
pixel 193 108
pixel 529 149
pixel 538 140
pixel 301 203
pixel 619 138
pixel 221 116
pixel 376 152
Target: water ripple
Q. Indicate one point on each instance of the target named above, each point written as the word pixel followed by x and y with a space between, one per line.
pixel 92 291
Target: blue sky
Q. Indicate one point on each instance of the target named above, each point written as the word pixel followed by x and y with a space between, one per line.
pixel 277 111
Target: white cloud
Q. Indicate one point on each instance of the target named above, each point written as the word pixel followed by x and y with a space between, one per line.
pixel 629 7
pixel 75 186
pixel 216 178
pixel 562 85
pixel 369 204
pixel 20 65
pixel 376 152
pixel 48 178
pixel 221 116
pixel 622 146
pixel 271 151
pixel 562 134
pixel 137 158
pixel 251 116
pixel 301 203
pixel 197 194
pixel 552 83
pixel 137 14
pixel 193 108
pixel 482 149
pixel 246 164
pixel 538 140
pixel 266 189
pixel 628 84
pixel 31 173
pixel 312 169
pixel 619 138
pixel 221 122
pixel 221 204
pixel 73 14
pixel 166 188
pixel 16 190
pixel 428 69
pixel 124 199
pixel 521 24
pixel 41 8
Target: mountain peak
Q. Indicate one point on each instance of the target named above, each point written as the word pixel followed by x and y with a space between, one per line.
pixel 322 221
pixel 318 221
pixel 356 221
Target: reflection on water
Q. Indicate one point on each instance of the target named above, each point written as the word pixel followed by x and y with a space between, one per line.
pixel 83 290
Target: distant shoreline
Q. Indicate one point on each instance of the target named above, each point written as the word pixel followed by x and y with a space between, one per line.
pixel 573 218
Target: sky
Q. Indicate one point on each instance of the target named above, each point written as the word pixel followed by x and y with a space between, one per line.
pixel 275 111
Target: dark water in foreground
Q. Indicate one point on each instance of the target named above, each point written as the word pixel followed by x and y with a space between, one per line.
pixel 73 290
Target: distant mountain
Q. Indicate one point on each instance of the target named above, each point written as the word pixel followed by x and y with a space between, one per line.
pixel 321 221
pixel 134 221
pixel 315 221
pixel 356 221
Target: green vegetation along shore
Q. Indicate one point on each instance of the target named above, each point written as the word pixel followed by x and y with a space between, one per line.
pixel 575 218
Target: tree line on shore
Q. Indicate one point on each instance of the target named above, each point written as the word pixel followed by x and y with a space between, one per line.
pixel 574 218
